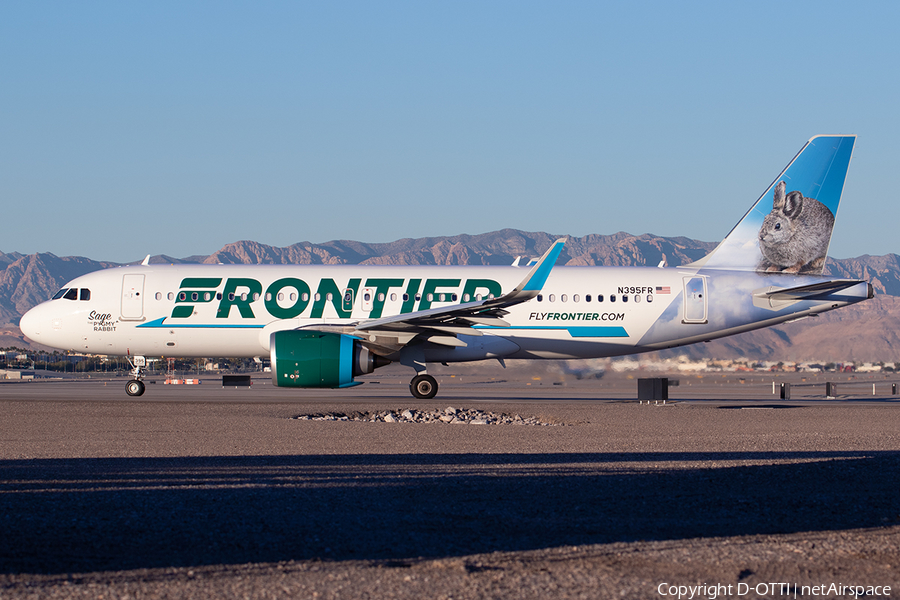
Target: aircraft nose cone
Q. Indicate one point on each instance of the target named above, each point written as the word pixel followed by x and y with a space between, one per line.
pixel 30 324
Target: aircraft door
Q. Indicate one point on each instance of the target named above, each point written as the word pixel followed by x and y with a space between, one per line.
pixel 367 299
pixel 695 301
pixel 132 297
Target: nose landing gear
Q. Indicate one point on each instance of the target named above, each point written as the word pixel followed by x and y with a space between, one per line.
pixel 135 386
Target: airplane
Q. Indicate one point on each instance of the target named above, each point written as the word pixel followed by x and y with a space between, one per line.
pixel 323 326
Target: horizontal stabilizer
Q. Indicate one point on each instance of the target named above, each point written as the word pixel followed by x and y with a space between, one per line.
pixel 808 292
pixel 777 298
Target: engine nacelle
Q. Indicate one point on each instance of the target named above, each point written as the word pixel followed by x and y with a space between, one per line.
pixel 302 358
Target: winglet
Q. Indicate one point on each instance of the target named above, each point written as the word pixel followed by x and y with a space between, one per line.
pixel 538 275
pixel 146 261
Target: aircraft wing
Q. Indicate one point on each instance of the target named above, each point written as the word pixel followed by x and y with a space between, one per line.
pixel 446 322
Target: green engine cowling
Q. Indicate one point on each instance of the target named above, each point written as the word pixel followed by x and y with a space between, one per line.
pixel 319 359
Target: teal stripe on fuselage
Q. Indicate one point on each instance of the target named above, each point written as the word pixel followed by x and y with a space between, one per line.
pixel 160 323
pixel 617 332
pixel 577 332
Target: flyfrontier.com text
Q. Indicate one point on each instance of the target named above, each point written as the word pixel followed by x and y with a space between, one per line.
pixel 776 589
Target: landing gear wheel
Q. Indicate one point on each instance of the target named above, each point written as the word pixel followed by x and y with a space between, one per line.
pixel 135 387
pixel 423 387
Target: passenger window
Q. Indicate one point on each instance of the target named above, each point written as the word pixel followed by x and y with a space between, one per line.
pixel 304 296
pixel 540 298
pixel 418 297
pixel 599 297
pixel 381 297
pixel 231 296
pixel 329 296
pixel 158 295
pixel 552 297
pixel 393 297
pixel 85 294
pixel 59 294
pixel 576 298
pixel 587 298
pixel 255 296
pixel 624 298
pixel 405 297
pixel 268 296
pixel 649 297
pixel 72 294
pixel 244 297
pixel 454 297
pixel 612 297
pixel 170 296
pixel 563 298
pixel 194 296
pixel 430 297
pixel 637 298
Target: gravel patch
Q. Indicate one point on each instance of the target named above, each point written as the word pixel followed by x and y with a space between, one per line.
pixel 449 415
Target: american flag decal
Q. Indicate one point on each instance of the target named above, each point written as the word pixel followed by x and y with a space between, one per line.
pixel 663 290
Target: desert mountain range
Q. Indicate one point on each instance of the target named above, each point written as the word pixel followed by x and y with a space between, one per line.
pixel 864 332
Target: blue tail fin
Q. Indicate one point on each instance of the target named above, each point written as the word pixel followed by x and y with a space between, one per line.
pixel 789 228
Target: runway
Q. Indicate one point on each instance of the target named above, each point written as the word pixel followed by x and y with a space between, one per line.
pixel 200 491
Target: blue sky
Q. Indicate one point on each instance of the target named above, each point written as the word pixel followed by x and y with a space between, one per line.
pixel 177 127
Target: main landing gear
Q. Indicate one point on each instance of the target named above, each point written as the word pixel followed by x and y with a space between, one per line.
pixel 135 386
pixel 423 387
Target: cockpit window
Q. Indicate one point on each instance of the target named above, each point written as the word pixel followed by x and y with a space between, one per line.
pixel 85 294
pixel 59 294
pixel 72 294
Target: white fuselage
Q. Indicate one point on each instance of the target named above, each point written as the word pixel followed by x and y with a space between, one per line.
pixel 582 312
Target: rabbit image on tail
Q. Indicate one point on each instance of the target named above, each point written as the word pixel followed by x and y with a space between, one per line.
pixel 794 236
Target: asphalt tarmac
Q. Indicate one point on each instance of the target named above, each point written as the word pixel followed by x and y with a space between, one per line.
pixel 204 491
